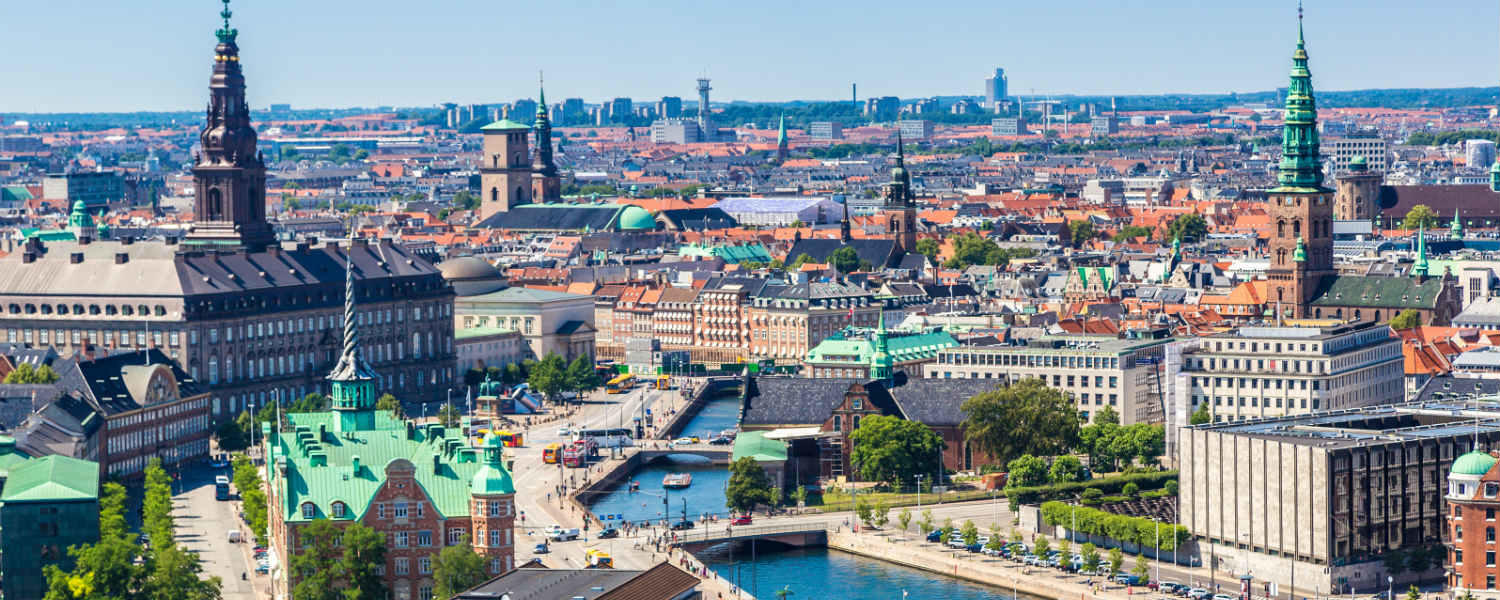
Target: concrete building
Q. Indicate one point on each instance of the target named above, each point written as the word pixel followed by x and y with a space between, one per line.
pixel 826 130
pixel 482 347
pixel 1008 126
pixel 916 129
pixel 1479 154
pixel 883 107
pixel 669 107
pixel 1328 494
pixel 1095 371
pixel 1103 125
pixel 1258 372
pixel 47 505
pixel 546 321
pixel 95 188
pixel 996 89
pixel 675 131
pixel 1342 150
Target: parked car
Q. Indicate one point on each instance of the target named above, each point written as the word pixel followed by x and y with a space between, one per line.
pixel 682 525
pixel 1198 593
pixel 564 432
pixel 1223 597
pixel 935 536
pixel 1127 579
pixel 540 549
pixel 719 441
pixel 974 547
pixel 741 520
pixel 608 532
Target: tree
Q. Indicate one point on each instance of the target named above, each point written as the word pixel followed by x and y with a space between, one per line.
pixel 25 373
pixel 904 518
pixel 1065 469
pixel 456 568
pixel 925 525
pixel 1419 216
pixel 1091 496
pixel 104 569
pixel 338 564
pixel 1408 319
pixel 1141 567
pixel 845 259
pixel 1026 416
pixel 1190 226
pixel 313 402
pixel 1079 232
pixel 1026 471
pixel 364 551
pixel 797 263
pixel 881 513
pixel 1395 561
pixel 1065 548
pixel 893 450
pixel 1116 560
pixel 252 496
pixel 748 486
pixel 864 512
pixel 1130 232
pixel 1107 415
pixel 474 377
pixel 231 435
pixel 1420 559
pixel 1041 546
pixel 314 566
pixel 970 533
pixel 1171 487
pixel 971 249
pixel 928 247
pixel 1201 415
pixel 449 416
pixel 581 375
pixel 947 527
pixel 1090 556
pixel 549 377
pixel 1412 593
pixel 390 403
pixel 1131 489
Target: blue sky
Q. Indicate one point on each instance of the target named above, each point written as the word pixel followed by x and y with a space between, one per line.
pixel 97 55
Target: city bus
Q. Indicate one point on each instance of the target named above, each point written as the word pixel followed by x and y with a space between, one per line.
pixel 510 439
pixel 663 382
pixel 552 453
pixel 579 452
pixel 221 487
pixel 620 384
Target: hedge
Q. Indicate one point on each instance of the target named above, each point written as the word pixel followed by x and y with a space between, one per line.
pixel 1121 528
pixel 1107 485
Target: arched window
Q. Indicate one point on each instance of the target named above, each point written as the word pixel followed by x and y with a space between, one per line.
pixel 1296 226
pixel 416 345
pixel 494 194
pixel 215 204
pixel 338 510
pixel 309 510
pixel 1281 229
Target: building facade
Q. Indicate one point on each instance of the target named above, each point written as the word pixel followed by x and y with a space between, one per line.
pixel 1472 499
pixel 1343 151
pixel 47 505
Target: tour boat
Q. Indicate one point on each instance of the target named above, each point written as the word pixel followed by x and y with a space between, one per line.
pixel 677 481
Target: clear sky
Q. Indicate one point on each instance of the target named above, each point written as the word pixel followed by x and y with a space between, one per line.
pixel 110 55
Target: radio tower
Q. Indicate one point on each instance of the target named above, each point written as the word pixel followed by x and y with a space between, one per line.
pixel 703 89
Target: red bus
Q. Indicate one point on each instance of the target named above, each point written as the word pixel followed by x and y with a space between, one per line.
pixel 578 453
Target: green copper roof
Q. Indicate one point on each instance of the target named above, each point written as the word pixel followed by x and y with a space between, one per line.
pixel 1301 169
pixel 52 478
pixel 1103 275
pixel 1456 228
pixel 731 253
pixel 855 346
pixel 504 125
pixel 1358 163
pixel 635 218
pixel 1473 463
pixel 1420 268
pixel 754 444
pixel 492 478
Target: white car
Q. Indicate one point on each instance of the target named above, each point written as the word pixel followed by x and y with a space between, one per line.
pixel 564 432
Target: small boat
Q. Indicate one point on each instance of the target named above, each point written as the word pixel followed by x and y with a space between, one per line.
pixel 635 486
pixel 677 481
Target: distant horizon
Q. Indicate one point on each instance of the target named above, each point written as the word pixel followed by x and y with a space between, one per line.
pixel 385 53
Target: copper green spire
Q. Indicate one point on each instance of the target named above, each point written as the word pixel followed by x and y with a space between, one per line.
pixel 1300 254
pixel 1301 168
pixel 880 361
pixel 541 94
pixel 352 378
pixel 1420 268
pixel 227 33
pixel 1456 228
pixel 781 134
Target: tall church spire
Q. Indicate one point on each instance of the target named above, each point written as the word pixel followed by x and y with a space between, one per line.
pixel 352 378
pixel 1420 268
pixel 781 141
pixel 1301 168
pixel 542 165
pixel 229 202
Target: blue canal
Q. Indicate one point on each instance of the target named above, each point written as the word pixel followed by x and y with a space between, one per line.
pixel 810 573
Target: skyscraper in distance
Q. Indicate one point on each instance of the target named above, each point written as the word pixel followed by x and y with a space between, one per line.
pixel 995 88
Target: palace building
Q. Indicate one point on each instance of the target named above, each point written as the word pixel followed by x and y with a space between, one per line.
pixel 254 319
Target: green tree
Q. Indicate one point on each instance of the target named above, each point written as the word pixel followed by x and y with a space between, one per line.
pixel 904 518
pixel 456 568
pixel 1080 232
pixel 338 564
pixel 581 375
pixel 1065 548
pixel 1026 471
pixel 25 373
pixel 1420 215
pixel 928 247
pixel 1041 546
pixel 364 551
pixel 252 496
pixel 1171 487
pixel 1395 561
pixel 893 450
pixel 1024 417
pixel 390 403
pixel 1201 415
pixel 1408 319
pixel 864 511
pixel 1131 489
pixel 1190 226
pixel 970 533
pixel 473 377
pixel 1116 560
pixel 925 525
pixel 549 377
pixel 880 513
pixel 1130 232
pixel 106 568
pixel 1141 567
pixel 313 402
pixel 845 259
pixel 231 435
pixel 800 260
pixel 1065 469
pixel 449 416
pixel 947 528
pixel 1090 556
pixel 748 486
pixel 1412 593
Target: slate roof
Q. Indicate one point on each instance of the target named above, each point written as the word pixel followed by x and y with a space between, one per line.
pixel 936 402
pixel 1448 387
pixel 662 582
pixel 555 217
pixel 1474 201
pixel 792 400
pixel 116 382
pixel 1378 292
pixel 50 479
pixel 879 252
pixel 690 219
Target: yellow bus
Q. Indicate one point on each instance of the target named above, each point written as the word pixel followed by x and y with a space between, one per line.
pixel 620 384
pixel 663 382
pixel 552 453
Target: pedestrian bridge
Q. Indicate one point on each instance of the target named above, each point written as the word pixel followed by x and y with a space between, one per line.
pixel 814 533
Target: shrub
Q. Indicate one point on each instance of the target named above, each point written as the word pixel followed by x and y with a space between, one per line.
pixel 1092 495
pixel 1131 489
pixel 1121 528
pixel 1107 485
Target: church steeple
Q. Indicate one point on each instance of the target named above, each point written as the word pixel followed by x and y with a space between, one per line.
pixel 1301 168
pixel 1456 228
pixel 781 140
pixel 1420 268
pixel 229 203
pixel 542 165
pixel 845 231
pixel 898 192
pixel 352 378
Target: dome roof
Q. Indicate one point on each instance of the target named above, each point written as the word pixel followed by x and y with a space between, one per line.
pixel 471 275
pixel 1473 463
pixel 635 218
pixel 1359 163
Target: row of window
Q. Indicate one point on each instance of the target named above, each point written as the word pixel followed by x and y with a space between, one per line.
pixel 1011 359
pixel 127 310
pixel 75 337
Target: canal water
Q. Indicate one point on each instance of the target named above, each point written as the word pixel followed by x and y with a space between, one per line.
pixel 810 573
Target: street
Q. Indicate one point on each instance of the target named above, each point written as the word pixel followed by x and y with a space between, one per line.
pixel 203 526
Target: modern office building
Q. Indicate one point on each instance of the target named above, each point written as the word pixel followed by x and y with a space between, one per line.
pixel 1103 125
pixel 1342 150
pixel 995 89
pixel 1479 154
pixel 1258 372
pixel 1096 371
pixel 1008 126
pixel 669 107
pixel 676 131
pixel 826 130
pixel 95 188
pixel 883 107
pixel 916 129
pixel 1331 494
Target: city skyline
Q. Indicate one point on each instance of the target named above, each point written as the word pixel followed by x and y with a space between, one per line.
pixel 374 47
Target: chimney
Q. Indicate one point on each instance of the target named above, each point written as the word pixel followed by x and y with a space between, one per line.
pixel 354 464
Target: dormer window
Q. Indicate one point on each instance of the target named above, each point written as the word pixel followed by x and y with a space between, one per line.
pixel 1491 490
pixel 309 510
pixel 338 510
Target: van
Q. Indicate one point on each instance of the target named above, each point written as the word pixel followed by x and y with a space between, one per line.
pixel 234 536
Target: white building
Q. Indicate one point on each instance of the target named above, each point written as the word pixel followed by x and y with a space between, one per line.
pixel 781 211
pixel 1479 154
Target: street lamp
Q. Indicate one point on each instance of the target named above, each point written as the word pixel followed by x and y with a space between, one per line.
pixel 919 493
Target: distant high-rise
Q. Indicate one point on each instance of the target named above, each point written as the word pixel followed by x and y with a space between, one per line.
pixel 882 107
pixel 670 107
pixel 1479 154
pixel 619 109
pixel 995 89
